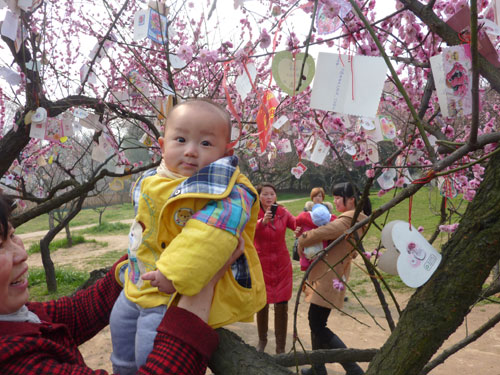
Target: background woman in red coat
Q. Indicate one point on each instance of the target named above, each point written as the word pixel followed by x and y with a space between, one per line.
pixel 276 264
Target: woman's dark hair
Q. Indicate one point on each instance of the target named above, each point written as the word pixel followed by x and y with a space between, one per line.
pixel 262 186
pixel 5 210
pixel 348 190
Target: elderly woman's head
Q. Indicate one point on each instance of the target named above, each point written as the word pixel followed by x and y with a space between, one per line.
pixel 13 268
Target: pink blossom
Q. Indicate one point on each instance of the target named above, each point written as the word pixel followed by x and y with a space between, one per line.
pixel 370 173
pixel 206 56
pixel 265 39
pixel 376 253
pixel 185 52
pixel 338 284
pixel 448 228
pixel 368 254
pixel 398 142
pixel 381 192
pixel 400 182
pixel 419 143
pixel 420 229
pixel 469 195
pixel 448 131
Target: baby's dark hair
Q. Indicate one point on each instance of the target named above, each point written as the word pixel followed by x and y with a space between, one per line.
pixel 348 190
pixel 6 208
pixel 209 103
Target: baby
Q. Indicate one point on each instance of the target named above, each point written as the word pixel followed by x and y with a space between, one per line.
pixel 190 217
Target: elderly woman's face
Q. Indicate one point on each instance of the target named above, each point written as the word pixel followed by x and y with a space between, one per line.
pixel 13 273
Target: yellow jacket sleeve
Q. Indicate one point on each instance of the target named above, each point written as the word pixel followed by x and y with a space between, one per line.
pixel 195 255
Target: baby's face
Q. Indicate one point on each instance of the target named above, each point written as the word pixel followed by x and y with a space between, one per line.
pixel 196 135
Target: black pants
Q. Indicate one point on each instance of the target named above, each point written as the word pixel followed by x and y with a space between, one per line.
pixel 318 317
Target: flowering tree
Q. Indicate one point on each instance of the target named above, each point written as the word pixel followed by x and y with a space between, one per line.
pixel 107 72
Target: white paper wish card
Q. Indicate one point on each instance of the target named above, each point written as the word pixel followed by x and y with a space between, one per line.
pixel 243 84
pixel 453 78
pixel 348 86
pixel 10 25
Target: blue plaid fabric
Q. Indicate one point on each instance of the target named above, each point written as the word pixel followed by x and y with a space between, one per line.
pixel 136 188
pixel 212 179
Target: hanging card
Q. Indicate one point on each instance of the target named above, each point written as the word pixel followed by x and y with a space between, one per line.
pixel 53 130
pixel 387 127
pixel 284 146
pixel 460 22
pixel 85 72
pixel 348 86
pixel 10 25
pixel 415 258
pixel 282 123
pixel 157 27
pixel 386 179
pixel 80 113
pixel 254 166
pixel 319 153
pixel 10 76
pixel 324 22
pixel 299 170
pixel 243 84
pixel 176 61
pixel 286 70
pixel 453 78
pixel 37 130
pixel 265 118
pixel 141 24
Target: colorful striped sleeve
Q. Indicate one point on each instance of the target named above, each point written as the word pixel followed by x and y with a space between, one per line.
pixel 231 213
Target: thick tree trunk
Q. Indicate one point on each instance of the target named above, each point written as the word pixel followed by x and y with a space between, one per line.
pixel 438 308
pixel 48 265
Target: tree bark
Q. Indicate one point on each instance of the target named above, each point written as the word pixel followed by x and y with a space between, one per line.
pixel 439 307
pixel 68 235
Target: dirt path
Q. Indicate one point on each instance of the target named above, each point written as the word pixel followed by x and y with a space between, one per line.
pixel 480 357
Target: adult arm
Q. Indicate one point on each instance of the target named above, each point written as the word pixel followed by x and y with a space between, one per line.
pixel 87 313
pixel 327 232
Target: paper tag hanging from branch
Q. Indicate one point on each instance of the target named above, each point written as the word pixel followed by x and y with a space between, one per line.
pixel 348 84
pixel 452 72
pixel 286 70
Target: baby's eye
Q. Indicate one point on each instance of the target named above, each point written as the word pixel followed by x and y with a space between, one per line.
pixel 180 139
pixel 206 143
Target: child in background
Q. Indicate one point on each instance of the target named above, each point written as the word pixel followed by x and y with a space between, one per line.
pixel 190 217
pixel 307 220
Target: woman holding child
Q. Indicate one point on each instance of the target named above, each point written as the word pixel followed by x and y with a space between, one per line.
pixel 327 286
pixel 276 264
pixel 43 337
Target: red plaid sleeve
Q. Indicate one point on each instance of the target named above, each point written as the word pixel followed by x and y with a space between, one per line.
pixel 87 313
pixel 178 334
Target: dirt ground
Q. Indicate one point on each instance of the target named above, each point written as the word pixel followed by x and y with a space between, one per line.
pixel 480 357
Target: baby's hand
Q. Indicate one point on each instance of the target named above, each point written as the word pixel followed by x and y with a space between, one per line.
pixel 157 279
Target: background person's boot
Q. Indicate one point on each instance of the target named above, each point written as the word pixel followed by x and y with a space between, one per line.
pixel 262 324
pixel 280 326
pixel 315 369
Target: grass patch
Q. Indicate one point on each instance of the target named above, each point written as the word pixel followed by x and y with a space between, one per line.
pixel 106 228
pixel 58 244
pixel 85 217
pixel 68 280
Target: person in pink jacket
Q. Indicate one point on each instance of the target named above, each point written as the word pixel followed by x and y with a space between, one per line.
pixel 273 220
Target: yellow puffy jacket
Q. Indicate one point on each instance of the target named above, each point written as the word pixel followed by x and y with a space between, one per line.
pixel 188 228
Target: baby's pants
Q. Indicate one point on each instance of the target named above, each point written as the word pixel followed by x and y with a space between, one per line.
pixel 133 331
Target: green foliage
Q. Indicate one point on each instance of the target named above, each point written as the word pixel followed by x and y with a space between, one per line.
pixel 67 278
pixel 58 244
pixel 85 217
pixel 107 228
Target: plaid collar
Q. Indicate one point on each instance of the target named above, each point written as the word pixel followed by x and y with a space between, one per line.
pixel 212 179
